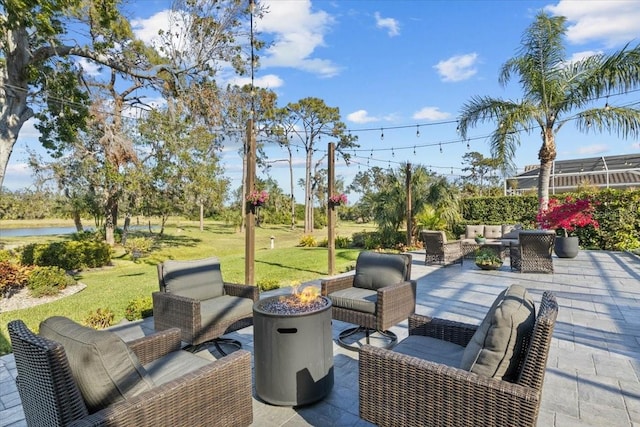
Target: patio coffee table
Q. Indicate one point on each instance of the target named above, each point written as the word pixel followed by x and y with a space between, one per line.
pixel 498 248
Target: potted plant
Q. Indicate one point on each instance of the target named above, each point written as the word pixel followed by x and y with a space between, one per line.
pixel 565 218
pixel 480 239
pixel 257 198
pixel 488 259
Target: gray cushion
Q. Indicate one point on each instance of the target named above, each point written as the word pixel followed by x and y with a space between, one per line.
pixel 473 231
pixel 376 270
pixel 199 279
pixel 358 299
pixel 226 307
pixel 432 349
pixel 493 231
pixel 497 345
pixel 176 364
pixel 514 234
pixel 104 368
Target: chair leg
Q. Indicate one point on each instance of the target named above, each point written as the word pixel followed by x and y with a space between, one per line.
pixel 388 335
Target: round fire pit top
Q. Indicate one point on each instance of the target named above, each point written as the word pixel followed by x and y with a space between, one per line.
pixel 290 305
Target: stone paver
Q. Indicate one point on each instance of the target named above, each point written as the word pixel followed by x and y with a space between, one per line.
pixel 594 365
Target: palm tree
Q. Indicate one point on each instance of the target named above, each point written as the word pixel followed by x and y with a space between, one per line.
pixel 556 92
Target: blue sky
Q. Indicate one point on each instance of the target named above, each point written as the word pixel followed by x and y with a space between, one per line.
pixel 399 68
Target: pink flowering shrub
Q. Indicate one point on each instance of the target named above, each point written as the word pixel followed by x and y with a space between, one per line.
pixel 566 217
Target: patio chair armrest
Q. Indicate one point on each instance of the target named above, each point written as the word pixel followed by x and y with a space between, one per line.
pixel 218 394
pixel 156 345
pixel 446 330
pixel 396 389
pixel 241 290
pixel 328 286
pixel 174 311
pixel 395 303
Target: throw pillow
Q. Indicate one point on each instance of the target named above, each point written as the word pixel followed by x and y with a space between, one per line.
pixel 497 345
pixel 103 366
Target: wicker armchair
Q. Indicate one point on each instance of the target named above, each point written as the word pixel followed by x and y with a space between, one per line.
pixel 439 250
pixel 401 390
pixel 378 296
pixel 194 298
pixel 218 393
pixel 532 253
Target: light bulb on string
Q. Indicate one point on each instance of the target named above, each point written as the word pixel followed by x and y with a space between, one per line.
pixel 417 131
pixel 440 147
pixel 381 134
pixel 393 153
pixel 468 145
pixel 371 153
pixel 414 150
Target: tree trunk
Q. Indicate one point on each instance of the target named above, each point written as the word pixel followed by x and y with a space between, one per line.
pixel 293 200
pixel 308 195
pixel 125 229
pixel 201 216
pixel 77 220
pixel 547 155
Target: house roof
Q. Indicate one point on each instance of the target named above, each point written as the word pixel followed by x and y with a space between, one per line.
pixel 620 172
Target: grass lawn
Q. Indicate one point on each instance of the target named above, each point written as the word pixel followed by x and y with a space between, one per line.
pixel 115 286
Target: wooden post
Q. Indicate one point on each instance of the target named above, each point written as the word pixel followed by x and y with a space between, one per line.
pixel 331 209
pixel 409 207
pixel 250 231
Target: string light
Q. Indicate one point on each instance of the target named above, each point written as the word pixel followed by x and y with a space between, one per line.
pixel 417 131
pixel 381 134
pixel 440 147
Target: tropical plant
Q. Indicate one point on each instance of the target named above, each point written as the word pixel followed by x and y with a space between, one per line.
pixel 556 91
pixel 486 256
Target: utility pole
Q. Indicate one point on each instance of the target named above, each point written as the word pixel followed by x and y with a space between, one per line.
pixel 250 230
pixel 409 207
pixel 331 209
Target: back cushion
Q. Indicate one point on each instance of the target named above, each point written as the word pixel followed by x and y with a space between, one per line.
pixel 199 279
pixel 375 270
pixel 497 345
pixel 103 366
pixel 511 231
pixel 473 231
pixel 492 231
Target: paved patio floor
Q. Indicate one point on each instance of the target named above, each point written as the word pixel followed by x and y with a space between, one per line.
pixel 593 370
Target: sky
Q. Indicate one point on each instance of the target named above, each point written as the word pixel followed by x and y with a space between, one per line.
pixel 400 72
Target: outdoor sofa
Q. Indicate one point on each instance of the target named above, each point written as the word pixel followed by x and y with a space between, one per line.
pixel 505 234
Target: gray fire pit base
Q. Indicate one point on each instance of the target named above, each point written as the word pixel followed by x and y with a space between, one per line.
pixel 293 356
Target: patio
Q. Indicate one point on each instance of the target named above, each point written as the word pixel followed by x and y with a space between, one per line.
pixel 593 373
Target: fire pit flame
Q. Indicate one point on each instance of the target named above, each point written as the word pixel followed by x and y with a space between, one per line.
pixel 299 301
pixel 308 295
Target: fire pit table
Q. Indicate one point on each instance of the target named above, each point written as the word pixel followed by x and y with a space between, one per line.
pixel 293 350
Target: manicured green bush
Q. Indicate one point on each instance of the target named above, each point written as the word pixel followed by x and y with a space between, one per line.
pixel 343 242
pixel 99 319
pixel 48 280
pixel 268 284
pixel 139 308
pixel 139 246
pixel 68 255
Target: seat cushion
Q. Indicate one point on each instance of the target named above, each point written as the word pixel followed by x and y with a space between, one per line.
pixel 225 308
pixel 104 368
pixel 358 299
pixel 493 231
pixel 375 270
pixel 473 230
pixel 497 345
pixel 432 349
pixel 199 279
pixel 176 364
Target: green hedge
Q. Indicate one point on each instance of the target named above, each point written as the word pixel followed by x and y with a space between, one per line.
pixel 70 255
pixel 617 211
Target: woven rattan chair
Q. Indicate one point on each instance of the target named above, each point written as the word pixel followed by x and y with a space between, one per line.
pixel 401 390
pixel 194 298
pixel 438 250
pixel 218 393
pixel 532 253
pixel 378 296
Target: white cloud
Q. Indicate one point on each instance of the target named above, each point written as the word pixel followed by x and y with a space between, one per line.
pixel 297 32
pixel 89 67
pixel 147 29
pixel 578 56
pixel 29 130
pixel 457 68
pixel 613 22
pixel 430 113
pixel 269 81
pixel 593 149
pixel 391 25
pixel 361 116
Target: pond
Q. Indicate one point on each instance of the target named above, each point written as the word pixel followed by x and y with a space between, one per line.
pixel 36 231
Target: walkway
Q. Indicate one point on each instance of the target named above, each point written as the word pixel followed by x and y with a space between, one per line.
pixel 594 366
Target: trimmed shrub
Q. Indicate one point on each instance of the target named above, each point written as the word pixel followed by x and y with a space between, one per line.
pixel 308 241
pixel 139 308
pixel 13 277
pixel 268 284
pixel 48 280
pixel 69 255
pixel 343 242
pixel 99 319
